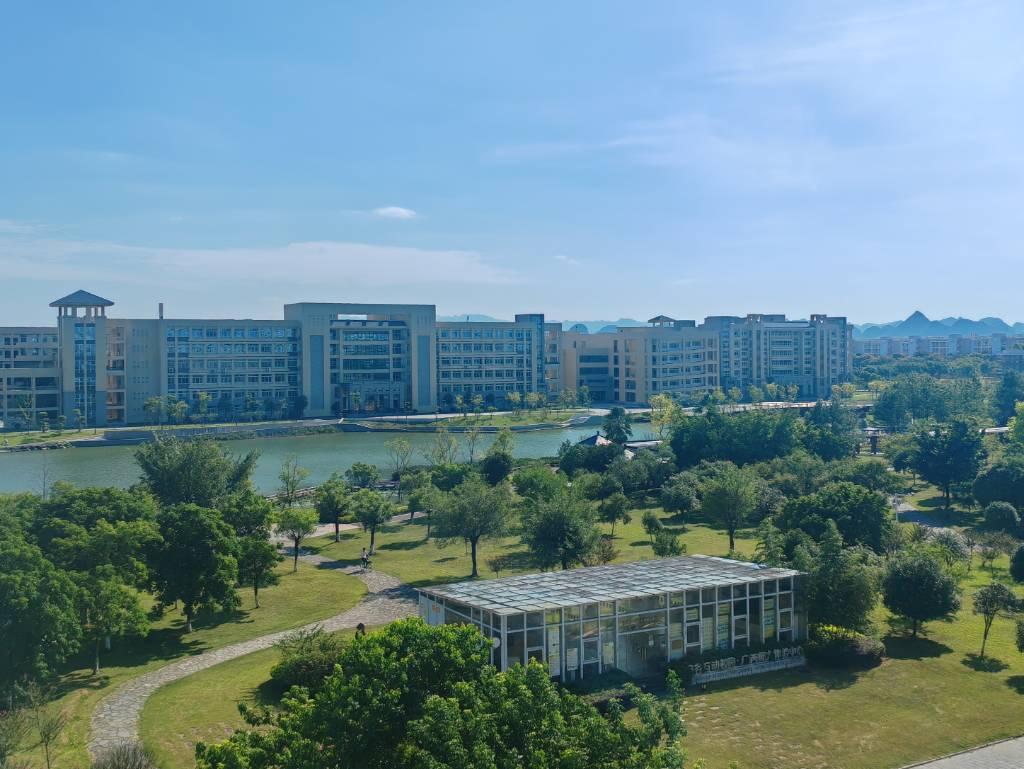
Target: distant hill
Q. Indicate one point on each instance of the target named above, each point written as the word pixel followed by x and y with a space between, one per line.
pixel 593 326
pixel 918 324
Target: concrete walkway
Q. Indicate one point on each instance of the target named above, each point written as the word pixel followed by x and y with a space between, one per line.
pixel 1008 754
pixel 116 717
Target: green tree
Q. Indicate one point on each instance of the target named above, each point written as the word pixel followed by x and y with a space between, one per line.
pixel 400 452
pixel 444 450
pixel 949 455
pixel 474 511
pixel 1002 516
pixel 652 524
pixel 729 500
pixel 537 481
pixel 559 530
pixel 40 625
pixel 504 442
pixel 372 510
pixel 496 467
pixel 332 502
pixel 196 562
pixel 112 610
pixel 831 431
pixel 991 602
pixel 842 586
pixel 1016 425
pixel 770 548
pixel 363 475
pixel 154 408
pixel 1002 481
pixel 614 509
pixel 665 412
pixel 679 495
pixel 252 517
pixel 863 516
pixel 1009 391
pixel 918 588
pixel 1017 564
pixel 618 425
pixel 296 523
pixel 666 544
pixel 198 472
pixel 292 476
pixel 416 696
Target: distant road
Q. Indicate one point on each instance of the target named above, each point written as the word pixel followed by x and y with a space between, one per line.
pixel 1008 754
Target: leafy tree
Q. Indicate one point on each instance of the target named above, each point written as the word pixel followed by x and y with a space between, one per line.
pixel 842 587
pixel 559 530
pixel 445 449
pixel 296 523
pixel 667 544
pixel 291 476
pixel 679 494
pixel 665 412
pixel 447 477
pixel 537 481
pixel 198 472
pixel 40 623
pixel 950 455
pixel 1016 425
pixel 400 452
pixel 372 510
pixel 863 516
pixel 1017 564
pixel 993 545
pixel 831 431
pixel 14 729
pixel 332 502
pixel 1002 481
pixel 363 475
pixel 496 467
pixel 950 547
pixel 472 437
pixel 1009 391
pixel 991 602
pixel 196 562
pixel 614 509
pixel 917 588
pixel 729 499
pixel 593 459
pixel 743 438
pixel 416 696
pixel 475 511
pixel 618 425
pixel 871 473
pixel 48 718
pixel 112 609
pixel 651 524
pixel 504 442
pixel 1002 516
pixel 252 517
pixel 770 548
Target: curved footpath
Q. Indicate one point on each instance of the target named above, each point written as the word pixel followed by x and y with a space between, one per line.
pixel 116 717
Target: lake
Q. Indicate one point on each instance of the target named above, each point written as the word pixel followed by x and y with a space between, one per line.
pixel 321 454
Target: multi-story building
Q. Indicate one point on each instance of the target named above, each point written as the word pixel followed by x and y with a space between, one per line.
pixel 634 363
pixel 29 376
pixel 760 349
pixel 325 359
pixel 944 346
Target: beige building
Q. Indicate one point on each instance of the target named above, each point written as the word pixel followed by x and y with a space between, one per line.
pixel 29 376
pixel 634 363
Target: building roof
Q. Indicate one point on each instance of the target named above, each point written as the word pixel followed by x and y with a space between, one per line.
pixel 81 299
pixel 661 319
pixel 555 589
pixel 594 440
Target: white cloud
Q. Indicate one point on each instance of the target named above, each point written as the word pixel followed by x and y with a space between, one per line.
pixel 315 266
pixel 564 259
pixel 394 212
pixel 13 227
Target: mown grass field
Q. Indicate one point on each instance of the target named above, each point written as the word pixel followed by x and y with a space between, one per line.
pixel 310 594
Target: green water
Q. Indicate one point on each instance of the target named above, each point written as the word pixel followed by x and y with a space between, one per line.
pixel 320 454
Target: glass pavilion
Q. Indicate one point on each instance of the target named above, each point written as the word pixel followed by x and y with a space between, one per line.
pixel 633 617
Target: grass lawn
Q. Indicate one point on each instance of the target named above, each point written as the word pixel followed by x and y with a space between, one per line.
pixel 311 594
pixel 930 697
pixel 404 551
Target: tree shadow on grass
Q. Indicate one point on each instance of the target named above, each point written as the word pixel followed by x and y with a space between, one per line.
pixel 640 543
pixel 905 647
pixel 983 664
pixel 1016 683
pixel 446 559
pixel 400 545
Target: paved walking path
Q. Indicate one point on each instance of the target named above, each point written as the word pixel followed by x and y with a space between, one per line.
pixel 116 718
pixel 1008 754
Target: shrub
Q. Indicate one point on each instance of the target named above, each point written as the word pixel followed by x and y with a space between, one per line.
pixel 125 755
pixel 667 544
pixel 1017 565
pixel 307 658
pixel 842 647
pixel 1002 516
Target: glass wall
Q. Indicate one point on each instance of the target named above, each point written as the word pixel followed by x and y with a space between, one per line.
pixel 638 635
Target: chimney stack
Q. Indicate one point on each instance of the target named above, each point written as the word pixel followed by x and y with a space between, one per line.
pixel 160 311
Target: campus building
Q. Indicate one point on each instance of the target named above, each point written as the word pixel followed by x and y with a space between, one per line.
pixel 326 359
pixel 633 617
pixel 953 345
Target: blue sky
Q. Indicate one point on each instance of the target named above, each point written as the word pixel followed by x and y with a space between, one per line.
pixel 584 160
